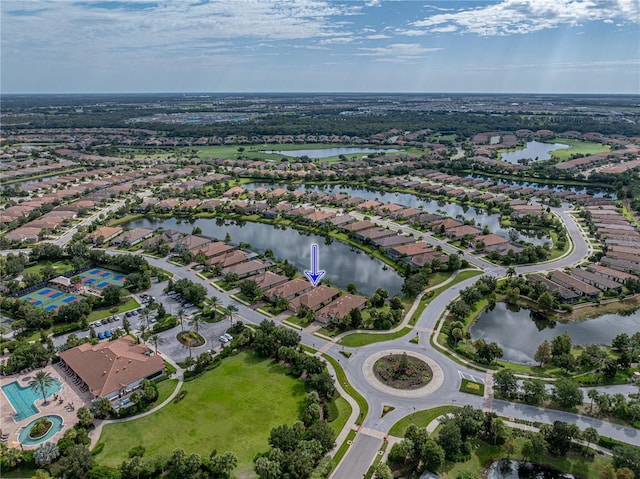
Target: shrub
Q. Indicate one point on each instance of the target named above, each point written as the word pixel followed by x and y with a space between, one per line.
pixel 137 451
pixel 98 449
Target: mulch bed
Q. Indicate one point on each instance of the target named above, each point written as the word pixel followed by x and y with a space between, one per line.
pixel 416 374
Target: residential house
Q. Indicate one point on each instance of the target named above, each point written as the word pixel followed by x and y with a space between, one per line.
pixel 132 237
pixel 580 287
pixel 288 290
pixel 340 307
pixel 104 234
pixel 314 299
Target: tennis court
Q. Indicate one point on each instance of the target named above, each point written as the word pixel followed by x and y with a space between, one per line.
pixel 50 298
pixel 100 278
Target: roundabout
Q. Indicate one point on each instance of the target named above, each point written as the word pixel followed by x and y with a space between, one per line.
pixel 412 390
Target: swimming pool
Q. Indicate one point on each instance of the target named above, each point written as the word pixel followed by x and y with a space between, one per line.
pixel 24 438
pixel 23 398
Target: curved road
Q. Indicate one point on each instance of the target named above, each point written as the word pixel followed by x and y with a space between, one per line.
pixel 374 429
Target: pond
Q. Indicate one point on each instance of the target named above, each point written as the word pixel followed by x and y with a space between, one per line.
pixel 522 470
pixel 454 210
pixel 596 192
pixel 342 264
pixel 328 152
pixel 519 331
pixel 534 151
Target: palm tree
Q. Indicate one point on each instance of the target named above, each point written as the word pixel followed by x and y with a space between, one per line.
pixel 232 308
pixel 180 315
pixel 215 303
pixel 143 329
pixel 592 394
pixel 156 339
pixel 41 381
pixel 196 321
pixel 145 313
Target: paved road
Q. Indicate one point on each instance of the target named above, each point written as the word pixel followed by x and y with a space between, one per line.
pixel 368 441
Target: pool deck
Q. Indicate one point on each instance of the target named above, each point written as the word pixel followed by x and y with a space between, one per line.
pixel 70 393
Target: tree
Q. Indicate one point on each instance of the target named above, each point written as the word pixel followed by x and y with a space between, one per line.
pixel 223 463
pixel 126 325
pixel 505 383
pixel 231 309
pixel 590 436
pixel 156 339
pixel 561 345
pixel 559 437
pixel 534 391
pixel 85 418
pixel 592 394
pixel 102 408
pixel 196 321
pixel 450 439
pixel 46 454
pixel 567 393
pixel 267 469
pixel 76 462
pixel 180 315
pixel 215 303
pixel 620 342
pixel 383 472
pixel 41 382
pixel 111 295
pixel 545 301
pixel 626 456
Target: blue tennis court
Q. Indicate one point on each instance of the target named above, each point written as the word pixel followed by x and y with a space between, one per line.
pixel 50 298
pixel 101 278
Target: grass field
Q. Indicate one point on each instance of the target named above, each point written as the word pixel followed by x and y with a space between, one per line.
pixel 105 312
pixel 472 387
pixel 362 339
pixel 419 418
pixel 363 405
pixel 61 267
pixel 232 408
pixel 583 147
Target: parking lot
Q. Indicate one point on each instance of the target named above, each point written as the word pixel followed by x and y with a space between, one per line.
pixel 168 345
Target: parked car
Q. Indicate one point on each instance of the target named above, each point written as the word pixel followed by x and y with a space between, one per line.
pixel 101 335
pixel 107 334
pixel 228 336
pixel 223 339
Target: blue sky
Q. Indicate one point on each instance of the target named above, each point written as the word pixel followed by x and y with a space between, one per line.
pixel 501 46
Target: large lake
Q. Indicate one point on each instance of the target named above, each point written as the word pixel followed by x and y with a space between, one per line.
pixel 328 152
pixel 520 331
pixel 342 264
pixel 534 151
pixel 454 210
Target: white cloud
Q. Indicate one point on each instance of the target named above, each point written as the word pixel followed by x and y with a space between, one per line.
pixel 398 51
pixel 379 36
pixel 525 16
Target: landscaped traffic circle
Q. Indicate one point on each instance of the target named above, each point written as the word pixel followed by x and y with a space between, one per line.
pixel 402 373
pixel 190 339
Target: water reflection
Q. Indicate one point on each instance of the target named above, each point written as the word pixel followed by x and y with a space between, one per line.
pixel 519 331
pixel 476 215
pixel 343 266
pixel 534 151
pixel 522 470
pixel 328 152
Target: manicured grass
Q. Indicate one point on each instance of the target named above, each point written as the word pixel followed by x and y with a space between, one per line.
pixel 472 387
pixel 584 147
pixel 232 408
pixel 165 388
pixel 419 418
pixel 342 378
pixel 362 339
pixel 105 312
pixel 482 454
pixel 344 411
pixel 61 267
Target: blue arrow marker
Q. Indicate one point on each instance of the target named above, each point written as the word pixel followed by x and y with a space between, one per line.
pixel 314 275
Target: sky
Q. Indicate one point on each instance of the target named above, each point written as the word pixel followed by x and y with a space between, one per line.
pixel 499 46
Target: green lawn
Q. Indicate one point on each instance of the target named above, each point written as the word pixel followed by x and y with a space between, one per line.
pixel 362 339
pixel 472 387
pixel 363 405
pixel 584 147
pixel 483 453
pixel 419 418
pixel 105 312
pixel 232 408
pixel 61 267
pixel 344 411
